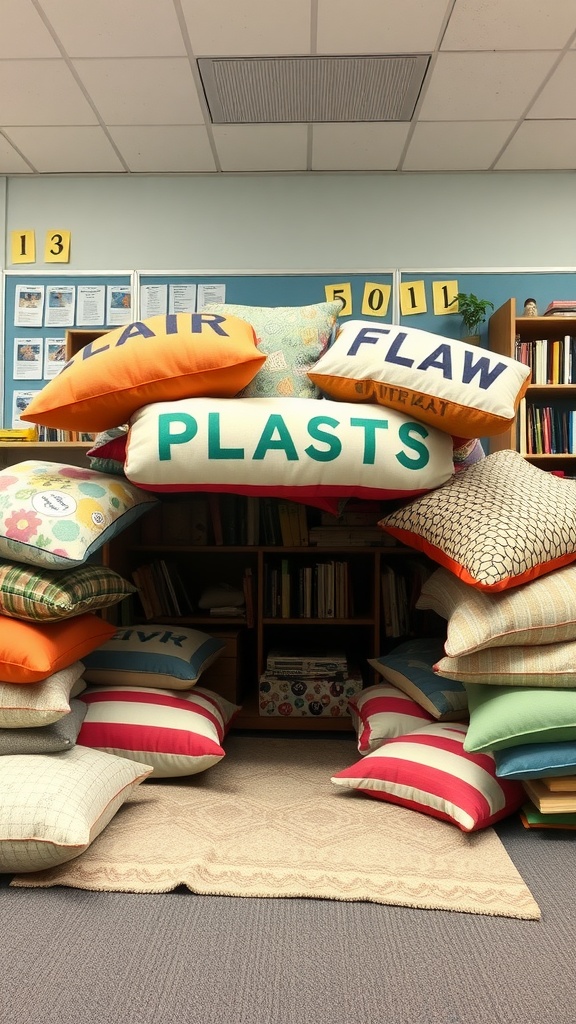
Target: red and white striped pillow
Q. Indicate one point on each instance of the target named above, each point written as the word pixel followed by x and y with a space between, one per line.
pixel 176 732
pixel 428 770
pixel 381 712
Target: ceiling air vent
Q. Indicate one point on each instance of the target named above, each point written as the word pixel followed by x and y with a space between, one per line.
pixel 287 90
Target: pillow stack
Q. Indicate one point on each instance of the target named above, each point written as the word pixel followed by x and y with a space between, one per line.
pixel 144 702
pixel 56 798
pixel 504 533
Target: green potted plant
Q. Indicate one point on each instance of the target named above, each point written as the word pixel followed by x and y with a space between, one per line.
pixel 473 312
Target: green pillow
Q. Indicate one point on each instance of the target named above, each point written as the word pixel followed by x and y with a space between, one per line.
pixel 47 595
pixel 506 716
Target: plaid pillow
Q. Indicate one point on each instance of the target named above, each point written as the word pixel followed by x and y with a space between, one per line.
pixel 34 594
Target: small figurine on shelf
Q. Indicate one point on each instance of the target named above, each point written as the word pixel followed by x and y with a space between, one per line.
pixel 530 308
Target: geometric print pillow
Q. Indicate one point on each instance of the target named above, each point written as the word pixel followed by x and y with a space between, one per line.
pixel 498 524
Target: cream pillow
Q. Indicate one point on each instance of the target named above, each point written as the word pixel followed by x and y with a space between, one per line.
pixel 542 611
pixel 38 704
pixel 549 665
pixel 54 805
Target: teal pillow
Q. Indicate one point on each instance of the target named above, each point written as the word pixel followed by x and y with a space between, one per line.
pixel 409 667
pixel 537 760
pixel 507 716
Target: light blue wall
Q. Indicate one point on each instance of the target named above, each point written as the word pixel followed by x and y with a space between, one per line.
pixel 300 222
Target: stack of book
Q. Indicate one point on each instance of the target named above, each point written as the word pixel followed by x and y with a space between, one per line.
pixel 310 684
pixel 561 307
pixel 553 802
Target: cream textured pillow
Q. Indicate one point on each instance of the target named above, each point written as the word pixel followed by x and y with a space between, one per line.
pixel 38 704
pixel 499 523
pixel 54 805
pixel 60 735
pixel 549 665
pixel 540 612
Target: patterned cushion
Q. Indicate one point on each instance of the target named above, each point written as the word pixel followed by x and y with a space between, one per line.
pixel 48 595
pixel 39 704
pixel 101 455
pixel 54 805
pixel 428 770
pixel 60 735
pixel 537 760
pixel 456 387
pixel 30 651
pixel 549 665
pixel 500 523
pixel 159 359
pixel 506 716
pixel 467 452
pixel 176 733
pixel 540 612
pixel 410 667
pixel 309 449
pixel 57 515
pixel 292 338
pixel 153 655
pixel 382 711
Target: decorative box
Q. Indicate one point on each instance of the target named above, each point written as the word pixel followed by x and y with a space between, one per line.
pixel 307 697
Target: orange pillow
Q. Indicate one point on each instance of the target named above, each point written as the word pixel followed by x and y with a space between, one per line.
pixel 164 358
pixel 30 652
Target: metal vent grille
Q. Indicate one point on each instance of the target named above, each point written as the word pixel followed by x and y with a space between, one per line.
pixel 285 90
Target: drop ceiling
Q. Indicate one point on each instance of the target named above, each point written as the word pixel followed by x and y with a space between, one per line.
pixel 256 86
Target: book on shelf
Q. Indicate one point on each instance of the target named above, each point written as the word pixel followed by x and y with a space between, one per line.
pixel 320 664
pixel 350 536
pixel 249 599
pixel 547 801
pixel 561 307
pixel 215 518
pixel 560 783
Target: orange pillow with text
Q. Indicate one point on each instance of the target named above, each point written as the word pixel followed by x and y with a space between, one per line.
pixel 164 358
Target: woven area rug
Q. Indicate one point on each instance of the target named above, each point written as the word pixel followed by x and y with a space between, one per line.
pixel 267 822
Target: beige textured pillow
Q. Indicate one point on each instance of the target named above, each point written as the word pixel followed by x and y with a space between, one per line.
pixel 550 665
pixel 540 612
pixel 38 704
pixel 54 805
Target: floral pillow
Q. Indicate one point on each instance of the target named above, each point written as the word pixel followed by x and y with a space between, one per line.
pixel 56 515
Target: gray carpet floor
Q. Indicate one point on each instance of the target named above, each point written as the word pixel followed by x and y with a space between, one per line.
pixel 72 957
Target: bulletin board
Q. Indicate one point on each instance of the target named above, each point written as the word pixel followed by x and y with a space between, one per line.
pixel 367 295
pixel 424 296
pixel 38 310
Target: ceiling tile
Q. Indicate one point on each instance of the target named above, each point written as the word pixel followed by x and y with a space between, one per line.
pixel 107 28
pixel 513 25
pixel 483 86
pixel 10 161
pixel 251 28
pixel 140 90
pixel 261 147
pixel 24 34
pixel 66 150
pixel 456 146
pixel 41 92
pixel 159 148
pixel 379 26
pixel 357 147
pixel 558 97
pixel 541 146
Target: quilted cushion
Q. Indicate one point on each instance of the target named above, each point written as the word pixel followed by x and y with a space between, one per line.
pixel 496 525
pixel 54 805
pixel 542 611
pixel 176 733
pixel 292 339
pixel 429 771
